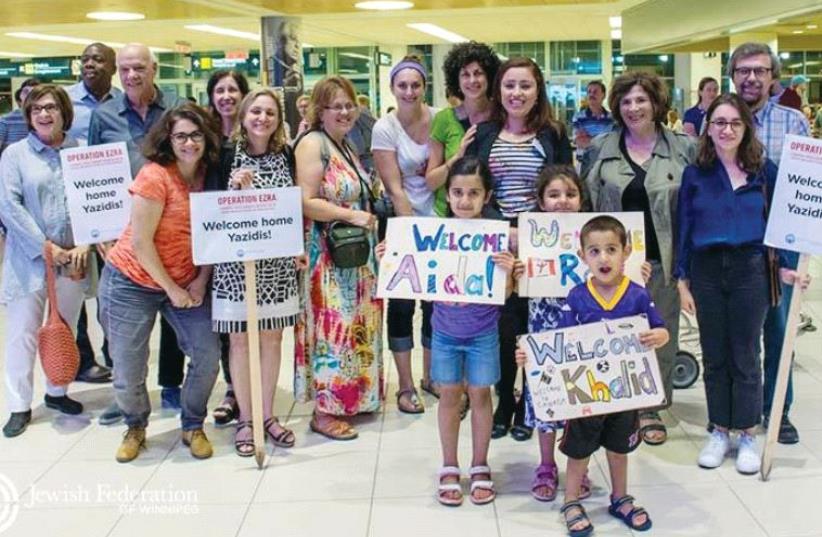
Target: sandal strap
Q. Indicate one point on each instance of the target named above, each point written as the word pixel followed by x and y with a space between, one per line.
pixel 545 471
pixel 243 424
pixel 449 487
pixel 616 504
pixel 486 484
pixel 449 470
pixel 474 470
pixel 570 505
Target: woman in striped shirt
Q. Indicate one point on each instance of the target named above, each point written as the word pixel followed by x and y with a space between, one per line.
pixel 521 138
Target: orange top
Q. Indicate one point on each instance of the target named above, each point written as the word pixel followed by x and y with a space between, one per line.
pixel 165 185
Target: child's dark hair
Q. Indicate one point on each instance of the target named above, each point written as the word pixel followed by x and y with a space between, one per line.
pixel 604 223
pixel 560 171
pixel 469 165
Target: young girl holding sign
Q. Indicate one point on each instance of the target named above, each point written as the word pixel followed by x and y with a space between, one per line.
pixel 465 350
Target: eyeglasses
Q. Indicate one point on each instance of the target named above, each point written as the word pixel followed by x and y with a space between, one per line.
pixel 50 108
pixel 735 125
pixel 181 138
pixel 759 72
pixel 338 108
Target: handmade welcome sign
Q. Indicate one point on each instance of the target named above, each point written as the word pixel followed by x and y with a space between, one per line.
pixel 549 246
pixel 591 369
pixel 445 259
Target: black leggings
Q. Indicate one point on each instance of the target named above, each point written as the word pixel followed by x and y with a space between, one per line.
pixel 512 323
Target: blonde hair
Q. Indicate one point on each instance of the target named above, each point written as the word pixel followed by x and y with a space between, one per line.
pixel 278 140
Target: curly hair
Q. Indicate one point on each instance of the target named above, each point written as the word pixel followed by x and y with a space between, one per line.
pixel 750 154
pixel 157 144
pixel 463 54
pixel 650 84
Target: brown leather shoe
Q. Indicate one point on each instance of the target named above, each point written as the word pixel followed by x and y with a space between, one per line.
pixel 133 440
pixel 197 441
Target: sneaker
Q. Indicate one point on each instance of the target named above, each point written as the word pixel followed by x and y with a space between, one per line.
pixel 717 446
pixel 111 415
pixel 747 455
pixel 170 399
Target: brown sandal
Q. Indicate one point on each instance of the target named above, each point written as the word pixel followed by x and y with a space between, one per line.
pixel 244 448
pixel 416 405
pixel 334 429
pixel 285 438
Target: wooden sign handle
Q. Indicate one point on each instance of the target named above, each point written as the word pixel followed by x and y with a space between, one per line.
pixel 254 361
pixel 785 362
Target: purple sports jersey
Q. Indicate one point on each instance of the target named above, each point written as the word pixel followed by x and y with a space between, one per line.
pixel 585 305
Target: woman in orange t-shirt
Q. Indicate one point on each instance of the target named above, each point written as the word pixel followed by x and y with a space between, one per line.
pixel 151 270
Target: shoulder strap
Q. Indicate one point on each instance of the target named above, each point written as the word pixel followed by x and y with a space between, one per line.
pixel 50 280
pixel 345 151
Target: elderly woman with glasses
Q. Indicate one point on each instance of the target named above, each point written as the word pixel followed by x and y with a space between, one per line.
pixel 151 270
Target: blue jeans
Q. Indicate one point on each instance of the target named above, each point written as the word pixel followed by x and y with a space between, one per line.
pixel 474 359
pixel 774 334
pixel 127 313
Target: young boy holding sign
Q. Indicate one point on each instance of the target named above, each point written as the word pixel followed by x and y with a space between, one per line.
pixel 608 294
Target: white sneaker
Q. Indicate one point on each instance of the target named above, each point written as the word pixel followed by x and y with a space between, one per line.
pixel 717 446
pixel 747 455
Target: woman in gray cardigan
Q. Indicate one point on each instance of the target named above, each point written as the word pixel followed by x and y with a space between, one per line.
pixel 638 167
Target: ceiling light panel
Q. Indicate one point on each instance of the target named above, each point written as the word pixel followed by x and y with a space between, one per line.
pixel 437 31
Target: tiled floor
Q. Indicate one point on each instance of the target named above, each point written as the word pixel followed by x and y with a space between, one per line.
pixel 62 471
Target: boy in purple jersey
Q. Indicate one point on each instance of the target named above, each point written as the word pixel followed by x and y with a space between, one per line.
pixel 608 294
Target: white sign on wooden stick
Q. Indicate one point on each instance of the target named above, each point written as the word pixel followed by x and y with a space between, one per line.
pixel 96 183
pixel 243 225
pixel 591 369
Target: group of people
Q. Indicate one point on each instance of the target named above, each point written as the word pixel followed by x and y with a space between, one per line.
pixel 497 154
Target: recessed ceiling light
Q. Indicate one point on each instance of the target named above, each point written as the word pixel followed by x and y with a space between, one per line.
pixel 7 54
pixel 208 28
pixel 384 5
pixel 615 22
pixel 115 16
pixel 785 55
pixel 616 34
pixel 798 31
pixel 436 31
pixel 812 27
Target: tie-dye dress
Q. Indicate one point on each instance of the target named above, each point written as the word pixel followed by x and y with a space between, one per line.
pixel 338 337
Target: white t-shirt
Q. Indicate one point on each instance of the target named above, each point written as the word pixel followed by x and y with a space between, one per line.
pixel 412 158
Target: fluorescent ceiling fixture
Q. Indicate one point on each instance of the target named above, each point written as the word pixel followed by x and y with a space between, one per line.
pixel 785 55
pixel 355 55
pixel 7 54
pixel 384 5
pixel 436 31
pixel 115 16
pixel 812 27
pixel 307 45
pixel 616 34
pixel 54 38
pixel 615 22
pixel 663 58
pixel 798 31
pixel 208 28
pixel 752 26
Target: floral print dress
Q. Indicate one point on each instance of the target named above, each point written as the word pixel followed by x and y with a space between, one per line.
pixel 338 337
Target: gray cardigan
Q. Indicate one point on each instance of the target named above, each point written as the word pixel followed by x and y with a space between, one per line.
pixel 606 174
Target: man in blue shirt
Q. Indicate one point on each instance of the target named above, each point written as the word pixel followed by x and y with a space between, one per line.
pixel 753 67
pixel 592 121
pixel 13 126
pixel 128 118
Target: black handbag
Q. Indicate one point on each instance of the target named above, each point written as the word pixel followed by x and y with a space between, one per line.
pixel 774 282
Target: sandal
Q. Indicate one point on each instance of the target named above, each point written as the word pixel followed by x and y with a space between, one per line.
pixel 226 411
pixel 628 518
pixel 444 488
pixel 655 426
pixel 545 477
pixel 244 447
pixel 430 388
pixel 581 516
pixel 285 439
pixel 521 433
pixel 499 430
pixel 585 487
pixel 416 405
pixel 481 484
pixel 334 429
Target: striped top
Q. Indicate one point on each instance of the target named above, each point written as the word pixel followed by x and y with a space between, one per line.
pixel 515 167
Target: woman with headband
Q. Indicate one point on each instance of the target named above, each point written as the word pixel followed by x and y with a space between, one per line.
pixel 399 144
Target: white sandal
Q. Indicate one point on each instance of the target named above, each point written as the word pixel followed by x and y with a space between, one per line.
pixel 483 484
pixel 443 488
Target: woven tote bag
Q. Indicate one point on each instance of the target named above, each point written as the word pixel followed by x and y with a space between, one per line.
pixel 55 340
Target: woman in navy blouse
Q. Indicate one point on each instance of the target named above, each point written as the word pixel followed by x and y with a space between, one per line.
pixel 722 272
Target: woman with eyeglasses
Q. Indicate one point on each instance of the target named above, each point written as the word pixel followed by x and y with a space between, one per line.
pixel 151 270
pixel 338 339
pixel 722 271
pixel 33 207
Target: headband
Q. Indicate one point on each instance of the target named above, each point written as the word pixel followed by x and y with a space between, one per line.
pixel 408 64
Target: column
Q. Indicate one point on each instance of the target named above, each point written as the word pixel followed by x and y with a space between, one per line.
pixel 282 62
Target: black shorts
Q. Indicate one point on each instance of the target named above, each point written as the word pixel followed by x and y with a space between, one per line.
pixel 617 432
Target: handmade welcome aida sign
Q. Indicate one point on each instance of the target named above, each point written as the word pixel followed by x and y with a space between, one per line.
pixel 549 246
pixel 444 259
pixel 591 369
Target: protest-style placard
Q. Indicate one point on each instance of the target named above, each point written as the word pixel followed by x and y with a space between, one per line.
pixel 96 182
pixel 446 259
pixel 795 216
pixel 243 225
pixel 549 246
pixel 592 369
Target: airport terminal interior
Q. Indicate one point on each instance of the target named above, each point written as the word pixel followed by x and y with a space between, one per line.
pixel 60 477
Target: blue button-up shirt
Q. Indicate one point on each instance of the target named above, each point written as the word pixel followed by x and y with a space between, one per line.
pixel 85 103
pixel 711 213
pixel 116 121
pixel 34 208
pixel 13 128
pixel 774 122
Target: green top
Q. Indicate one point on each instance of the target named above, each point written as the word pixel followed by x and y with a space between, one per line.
pixel 447 130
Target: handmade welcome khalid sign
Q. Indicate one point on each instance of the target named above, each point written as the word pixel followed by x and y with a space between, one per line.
pixel 444 259
pixel 548 245
pixel 592 369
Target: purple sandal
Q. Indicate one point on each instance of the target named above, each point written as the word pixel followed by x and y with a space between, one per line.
pixel 545 476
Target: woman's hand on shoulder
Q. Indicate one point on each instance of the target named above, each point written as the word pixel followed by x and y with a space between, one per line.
pixel 301 261
pixel 467 139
